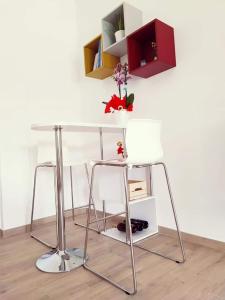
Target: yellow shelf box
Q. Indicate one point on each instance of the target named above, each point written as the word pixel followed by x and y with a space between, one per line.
pixel 96 67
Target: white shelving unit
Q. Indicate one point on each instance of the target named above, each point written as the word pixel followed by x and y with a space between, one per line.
pixel 132 20
pixel 145 209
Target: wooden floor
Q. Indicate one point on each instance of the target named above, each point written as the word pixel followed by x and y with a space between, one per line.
pixel 202 277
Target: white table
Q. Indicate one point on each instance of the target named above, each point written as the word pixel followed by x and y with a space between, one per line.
pixel 63 259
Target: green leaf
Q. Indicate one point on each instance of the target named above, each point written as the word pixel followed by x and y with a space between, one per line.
pixel 130 99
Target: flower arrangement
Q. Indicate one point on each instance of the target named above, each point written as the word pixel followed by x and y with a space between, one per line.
pixel 121 77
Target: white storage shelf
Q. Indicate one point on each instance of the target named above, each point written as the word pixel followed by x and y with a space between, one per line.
pixel 132 20
pixel 145 209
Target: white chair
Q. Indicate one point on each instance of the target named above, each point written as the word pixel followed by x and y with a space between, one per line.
pixel 144 149
pixel 46 159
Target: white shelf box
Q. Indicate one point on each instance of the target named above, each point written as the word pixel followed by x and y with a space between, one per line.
pixel 145 209
pixel 132 20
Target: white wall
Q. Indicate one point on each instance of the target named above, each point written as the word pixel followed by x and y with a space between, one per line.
pixel 38 83
pixel 42 79
pixel 1 203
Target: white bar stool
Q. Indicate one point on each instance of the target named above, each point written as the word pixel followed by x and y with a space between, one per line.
pixel 144 150
pixel 46 159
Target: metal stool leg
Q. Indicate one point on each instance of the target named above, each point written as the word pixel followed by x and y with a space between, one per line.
pixel 92 199
pixel 71 189
pixel 88 216
pixel 175 218
pixel 174 212
pixel 129 231
pixel 104 215
pixel 87 206
pixel 32 212
pixel 130 292
pixel 151 181
pixel 33 199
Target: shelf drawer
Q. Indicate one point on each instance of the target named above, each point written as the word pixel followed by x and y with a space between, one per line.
pixel 137 189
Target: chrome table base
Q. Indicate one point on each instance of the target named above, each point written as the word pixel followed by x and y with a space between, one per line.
pixel 56 261
pixel 60 259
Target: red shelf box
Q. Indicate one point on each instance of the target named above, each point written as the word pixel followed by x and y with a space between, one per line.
pixel 151 49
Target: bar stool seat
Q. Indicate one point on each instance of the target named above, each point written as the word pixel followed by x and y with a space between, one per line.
pixel 119 163
pixel 144 150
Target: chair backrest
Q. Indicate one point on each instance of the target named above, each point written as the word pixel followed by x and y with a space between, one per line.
pixel 46 153
pixel 143 141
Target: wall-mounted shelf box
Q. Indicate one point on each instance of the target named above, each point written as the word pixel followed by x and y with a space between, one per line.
pixel 143 59
pixel 150 48
pixel 109 61
pixel 132 20
pixel 143 208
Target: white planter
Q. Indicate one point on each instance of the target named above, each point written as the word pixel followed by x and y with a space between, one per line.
pixel 121 117
pixel 119 35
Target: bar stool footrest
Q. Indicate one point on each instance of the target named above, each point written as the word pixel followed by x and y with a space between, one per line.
pixel 43 242
pixel 160 254
pixel 84 226
pixel 128 292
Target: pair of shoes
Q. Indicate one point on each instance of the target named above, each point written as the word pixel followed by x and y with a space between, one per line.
pixel 136 225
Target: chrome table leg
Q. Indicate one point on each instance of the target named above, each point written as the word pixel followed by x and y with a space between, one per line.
pixel 60 259
pixel 124 142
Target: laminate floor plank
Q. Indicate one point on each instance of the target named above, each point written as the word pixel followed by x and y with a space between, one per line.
pixel 202 277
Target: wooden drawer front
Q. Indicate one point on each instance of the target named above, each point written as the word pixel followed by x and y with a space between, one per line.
pixel 137 189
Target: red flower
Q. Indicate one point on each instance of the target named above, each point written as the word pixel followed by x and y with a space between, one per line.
pixel 115 103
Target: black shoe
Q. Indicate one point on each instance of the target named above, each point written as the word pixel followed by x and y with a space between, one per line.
pixel 122 227
pixel 142 222
pixel 139 225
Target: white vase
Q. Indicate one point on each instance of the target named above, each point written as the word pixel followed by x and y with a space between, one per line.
pixel 119 35
pixel 121 117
